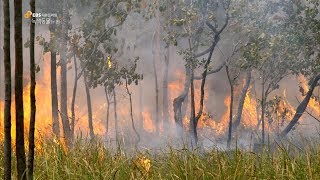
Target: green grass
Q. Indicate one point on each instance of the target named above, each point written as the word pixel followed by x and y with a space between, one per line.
pixel 94 161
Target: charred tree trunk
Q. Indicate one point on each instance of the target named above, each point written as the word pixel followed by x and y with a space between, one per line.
pixel 241 101
pixel 89 106
pixel 7 105
pixel 32 96
pixel 165 96
pixel 54 89
pixel 231 107
pixel 63 91
pixel 74 94
pixel 131 115
pixel 20 151
pixel 301 108
pixel 193 125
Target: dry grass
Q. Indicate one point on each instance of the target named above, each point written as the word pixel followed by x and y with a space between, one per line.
pixel 92 160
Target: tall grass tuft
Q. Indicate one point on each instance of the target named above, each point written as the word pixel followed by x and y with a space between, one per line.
pixel 94 160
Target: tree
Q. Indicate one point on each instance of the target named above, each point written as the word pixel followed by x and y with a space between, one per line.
pixel 108 109
pixel 155 53
pixel 115 115
pixel 233 73
pixel 233 70
pixel 7 106
pixel 32 96
pixel 20 151
pixel 189 21
pixel 301 108
pixel 75 52
pixel 303 17
pixel 269 51
pixel 161 13
pixel 74 93
pixel 272 66
pixel 101 52
pixel 63 76
pixel 128 80
pixel 242 97
pixel 52 47
pixel 88 105
pixel 215 40
pixel 53 80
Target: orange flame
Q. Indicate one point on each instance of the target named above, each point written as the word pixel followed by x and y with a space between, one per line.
pixel 147 121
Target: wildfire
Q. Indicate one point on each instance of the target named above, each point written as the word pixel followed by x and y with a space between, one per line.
pixel 43 103
pixel 250 117
pixel 207 123
pixel 148 124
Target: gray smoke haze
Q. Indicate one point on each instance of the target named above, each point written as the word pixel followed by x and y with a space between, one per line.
pixel 138 42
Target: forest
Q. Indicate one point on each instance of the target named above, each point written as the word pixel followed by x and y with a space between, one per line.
pixel 150 89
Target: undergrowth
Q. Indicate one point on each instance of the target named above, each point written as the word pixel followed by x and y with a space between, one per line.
pixel 94 160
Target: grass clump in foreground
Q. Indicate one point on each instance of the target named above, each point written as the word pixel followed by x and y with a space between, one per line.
pixel 92 160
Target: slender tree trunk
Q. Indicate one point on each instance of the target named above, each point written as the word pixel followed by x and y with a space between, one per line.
pixel 32 96
pixel 301 108
pixel 115 115
pixel 63 91
pixel 165 96
pixel 74 94
pixel 257 108
pixel 193 125
pixel 131 115
pixel 206 65
pixel 157 58
pixel 20 151
pixel 231 107
pixel 263 98
pixel 180 103
pixel 241 101
pixel 7 105
pixel 155 37
pixel 89 106
pixel 108 110
pixel 54 89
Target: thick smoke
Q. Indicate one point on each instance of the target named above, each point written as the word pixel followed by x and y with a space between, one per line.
pixel 137 34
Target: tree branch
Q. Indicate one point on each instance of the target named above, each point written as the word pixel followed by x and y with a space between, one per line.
pixel 205 72
pixel 317 119
pixel 212 71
